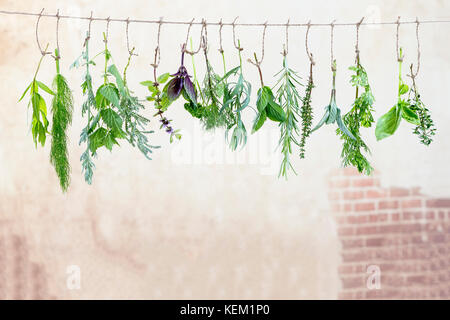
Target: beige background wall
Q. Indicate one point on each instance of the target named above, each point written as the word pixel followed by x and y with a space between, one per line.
pixel 199 221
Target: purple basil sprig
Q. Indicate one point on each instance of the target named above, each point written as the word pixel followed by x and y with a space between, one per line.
pixel 180 82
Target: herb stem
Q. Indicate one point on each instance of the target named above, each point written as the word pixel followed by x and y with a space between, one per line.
pixel 39 64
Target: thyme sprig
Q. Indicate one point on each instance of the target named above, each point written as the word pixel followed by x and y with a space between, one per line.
pixel 425 130
pixel 359 116
pixel 306 113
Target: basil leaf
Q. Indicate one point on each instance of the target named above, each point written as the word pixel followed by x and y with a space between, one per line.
pixel 410 116
pixel 388 123
pixel 275 112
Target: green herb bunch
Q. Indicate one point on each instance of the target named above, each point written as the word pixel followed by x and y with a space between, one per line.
pixel 236 97
pixel 426 129
pixel 306 113
pixel 289 99
pixel 332 112
pixel 390 121
pixel 62 109
pixel 39 122
pixel 211 93
pixel 359 116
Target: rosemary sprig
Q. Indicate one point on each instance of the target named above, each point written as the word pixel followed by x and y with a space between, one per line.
pixel 288 98
pixel 39 122
pixel 62 109
pixel 359 116
pixel 306 113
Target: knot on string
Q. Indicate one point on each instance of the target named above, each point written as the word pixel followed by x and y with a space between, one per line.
pixel 108 20
pixel 236 44
pixel 358 25
pixel 88 36
pixel 43 52
pixel 286 45
pixel 157 59
pixel 130 51
pixel 220 36
pixel 333 61
pixel 308 53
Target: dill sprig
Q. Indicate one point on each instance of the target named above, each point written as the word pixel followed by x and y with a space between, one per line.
pixel 306 113
pixel 288 98
pixel 359 116
pixel 62 109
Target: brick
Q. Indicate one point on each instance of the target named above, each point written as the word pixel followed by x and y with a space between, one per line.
pixel 352 243
pixel 339 184
pixel 375 242
pixel 345 269
pixel 353 195
pixel 353 282
pixel 346 231
pixel 411 203
pixel 357 219
pixel 366 230
pixel 414 280
pixel 350 172
pixel 365 182
pixel 368 206
pixel 399 192
pixel 395 217
pixel 429 215
pixel 387 205
pixel 373 194
pixel 438 203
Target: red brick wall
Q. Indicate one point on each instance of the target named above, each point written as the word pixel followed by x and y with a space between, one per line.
pixel 402 231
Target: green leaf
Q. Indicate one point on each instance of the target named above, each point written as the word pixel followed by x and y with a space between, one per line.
pixel 388 123
pixel 45 88
pixel 110 93
pixel 410 116
pixel 113 70
pixel 163 78
pixel 97 139
pixel 275 112
pixel 402 89
pixel 25 92
pixel 263 99
pixel 323 120
pixel 342 126
pixel 259 121
pixel 112 119
pixel 333 113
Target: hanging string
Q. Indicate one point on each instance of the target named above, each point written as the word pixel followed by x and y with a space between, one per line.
pixel 157 59
pixel 357 39
pixel 310 56
pixel 286 45
pixel 333 62
pixel 217 23
pixel 108 20
pixel 236 44
pixel 130 51
pixel 43 52
pixel 414 74
pixel 220 36
pixel 58 55
pixel 399 57
pixel 202 31
pixel 88 36
pixel 258 62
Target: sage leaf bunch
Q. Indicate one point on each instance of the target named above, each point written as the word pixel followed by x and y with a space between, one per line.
pixel 332 112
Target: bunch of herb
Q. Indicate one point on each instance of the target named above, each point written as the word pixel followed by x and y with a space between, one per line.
pixel 129 111
pixel 359 116
pixel 86 159
pixel 62 109
pixel 390 121
pixel 236 97
pixel 332 112
pixel 161 103
pixel 288 98
pixel 425 130
pixel 39 122
pixel 306 113
pixel 266 105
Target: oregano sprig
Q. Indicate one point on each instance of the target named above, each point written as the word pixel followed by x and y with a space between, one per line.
pixel 306 112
